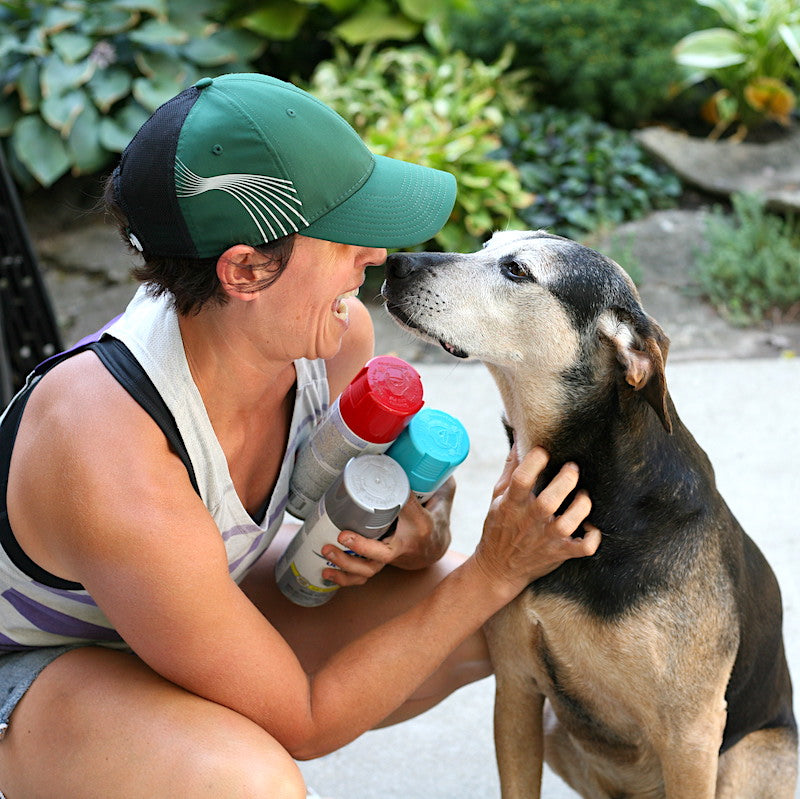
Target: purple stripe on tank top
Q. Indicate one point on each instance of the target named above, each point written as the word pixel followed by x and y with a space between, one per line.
pixel 10 645
pixel 279 511
pixel 240 529
pixel 53 621
pixel 253 546
pixel 74 596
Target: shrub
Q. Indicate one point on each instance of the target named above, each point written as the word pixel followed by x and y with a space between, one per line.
pixel 750 269
pixel 754 59
pixel 584 174
pixel 81 76
pixel 609 58
pixel 301 33
pixel 439 109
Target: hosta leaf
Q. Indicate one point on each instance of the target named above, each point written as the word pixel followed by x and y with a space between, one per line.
pixel 714 48
pixel 153 93
pixel 791 38
pixel 71 46
pixel 34 43
pixel 28 87
pixel 40 149
pixel 106 21
pixel 57 18
pixel 59 78
pixel 117 130
pixel 158 8
pixel 423 10
pixel 154 33
pixel 222 47
pixel 277 19
pixel 371 25
pixel 193 16
pixel 61 110
pixel 109 85
pixel 152 63
pixel 735 13
pixel 83 144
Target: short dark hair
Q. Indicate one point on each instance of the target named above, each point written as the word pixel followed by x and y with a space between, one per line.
pixel 193 282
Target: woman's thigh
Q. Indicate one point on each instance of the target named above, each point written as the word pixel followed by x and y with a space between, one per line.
pixel 100 723
pixel 316 633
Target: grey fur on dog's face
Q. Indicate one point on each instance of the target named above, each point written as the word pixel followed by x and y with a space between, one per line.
pixel 552 320
pixel 474 303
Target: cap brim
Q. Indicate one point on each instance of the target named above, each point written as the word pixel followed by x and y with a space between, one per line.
pixel 399 205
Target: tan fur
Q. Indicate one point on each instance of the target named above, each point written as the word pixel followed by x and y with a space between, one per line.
pixel 621 673
pixel 761 766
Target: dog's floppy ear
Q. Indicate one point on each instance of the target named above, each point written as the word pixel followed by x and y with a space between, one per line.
pixel 641 347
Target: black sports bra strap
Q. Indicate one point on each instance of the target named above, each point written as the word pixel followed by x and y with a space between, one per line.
pixel 122 364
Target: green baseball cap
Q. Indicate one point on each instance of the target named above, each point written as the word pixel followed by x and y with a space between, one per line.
pixel 246 158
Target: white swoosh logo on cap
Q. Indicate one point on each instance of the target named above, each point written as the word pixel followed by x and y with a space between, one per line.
pixel 267 200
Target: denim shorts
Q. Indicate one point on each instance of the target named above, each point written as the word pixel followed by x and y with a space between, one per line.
pixel 18 670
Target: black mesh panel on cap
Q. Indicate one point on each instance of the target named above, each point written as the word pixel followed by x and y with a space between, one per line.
pixel 145 181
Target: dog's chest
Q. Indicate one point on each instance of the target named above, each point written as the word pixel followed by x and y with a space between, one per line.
pixel 599 677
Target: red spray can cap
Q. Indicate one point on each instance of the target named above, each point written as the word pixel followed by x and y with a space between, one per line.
pixel 381 399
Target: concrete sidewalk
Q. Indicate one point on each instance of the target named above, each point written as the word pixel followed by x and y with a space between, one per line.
pixel 744 413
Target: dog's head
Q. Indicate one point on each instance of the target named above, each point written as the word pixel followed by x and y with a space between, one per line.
pixel 536 309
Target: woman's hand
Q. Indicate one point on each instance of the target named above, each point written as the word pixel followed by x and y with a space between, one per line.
pixel 421 537
pixel 522 537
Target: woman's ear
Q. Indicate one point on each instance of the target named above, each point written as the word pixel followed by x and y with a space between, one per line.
pixel 238 273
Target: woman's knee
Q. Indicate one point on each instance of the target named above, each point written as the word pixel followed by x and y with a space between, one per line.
pixel 251 767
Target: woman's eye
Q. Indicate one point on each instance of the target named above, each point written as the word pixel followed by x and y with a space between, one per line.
pixel 515 271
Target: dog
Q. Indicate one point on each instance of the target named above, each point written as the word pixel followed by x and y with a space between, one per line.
pixel 656 667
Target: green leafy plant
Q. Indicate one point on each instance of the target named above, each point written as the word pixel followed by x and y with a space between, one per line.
pixel 79 77
pixel 301 33
pixel 754 59
pixel 439 109
pixel 356 22
pixel 583 173
pixel 609 58
pixel 750 268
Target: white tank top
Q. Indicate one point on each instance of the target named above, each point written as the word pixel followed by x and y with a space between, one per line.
pixel 35 614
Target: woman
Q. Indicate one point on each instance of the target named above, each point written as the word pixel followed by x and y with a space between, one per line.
pixel 148 651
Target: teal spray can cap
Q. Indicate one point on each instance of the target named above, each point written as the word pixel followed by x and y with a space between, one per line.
pixel 430 447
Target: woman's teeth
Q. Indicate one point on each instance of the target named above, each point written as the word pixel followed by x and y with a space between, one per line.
pixel 340 309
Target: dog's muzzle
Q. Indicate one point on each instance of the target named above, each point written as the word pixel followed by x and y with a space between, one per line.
pixel 404 271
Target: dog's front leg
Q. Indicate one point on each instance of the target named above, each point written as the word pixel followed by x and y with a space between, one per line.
pixel 690 756
pixel 518 739
pixel 512 636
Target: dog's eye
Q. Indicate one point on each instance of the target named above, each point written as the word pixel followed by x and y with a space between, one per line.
pixel 515 271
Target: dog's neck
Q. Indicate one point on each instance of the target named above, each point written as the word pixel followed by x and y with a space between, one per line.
pixel 584 419
pixel 534 408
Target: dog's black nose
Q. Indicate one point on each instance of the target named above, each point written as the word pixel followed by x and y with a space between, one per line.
pixel 399 265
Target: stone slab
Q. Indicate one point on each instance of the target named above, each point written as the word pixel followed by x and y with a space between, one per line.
pixel 723 167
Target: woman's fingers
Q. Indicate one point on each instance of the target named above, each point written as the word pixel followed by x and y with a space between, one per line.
pixel 570 520
pixel 588 543
pixel 552 496
pixel 524 476
pixel 351 568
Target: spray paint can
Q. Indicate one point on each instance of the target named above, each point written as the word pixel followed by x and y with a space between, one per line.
pixel 366 498
pixel 365 419
pixel 429 449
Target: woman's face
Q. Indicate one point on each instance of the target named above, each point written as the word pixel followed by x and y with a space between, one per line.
pixel 310 298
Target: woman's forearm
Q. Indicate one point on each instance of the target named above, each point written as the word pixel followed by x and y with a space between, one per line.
pixel 391 661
